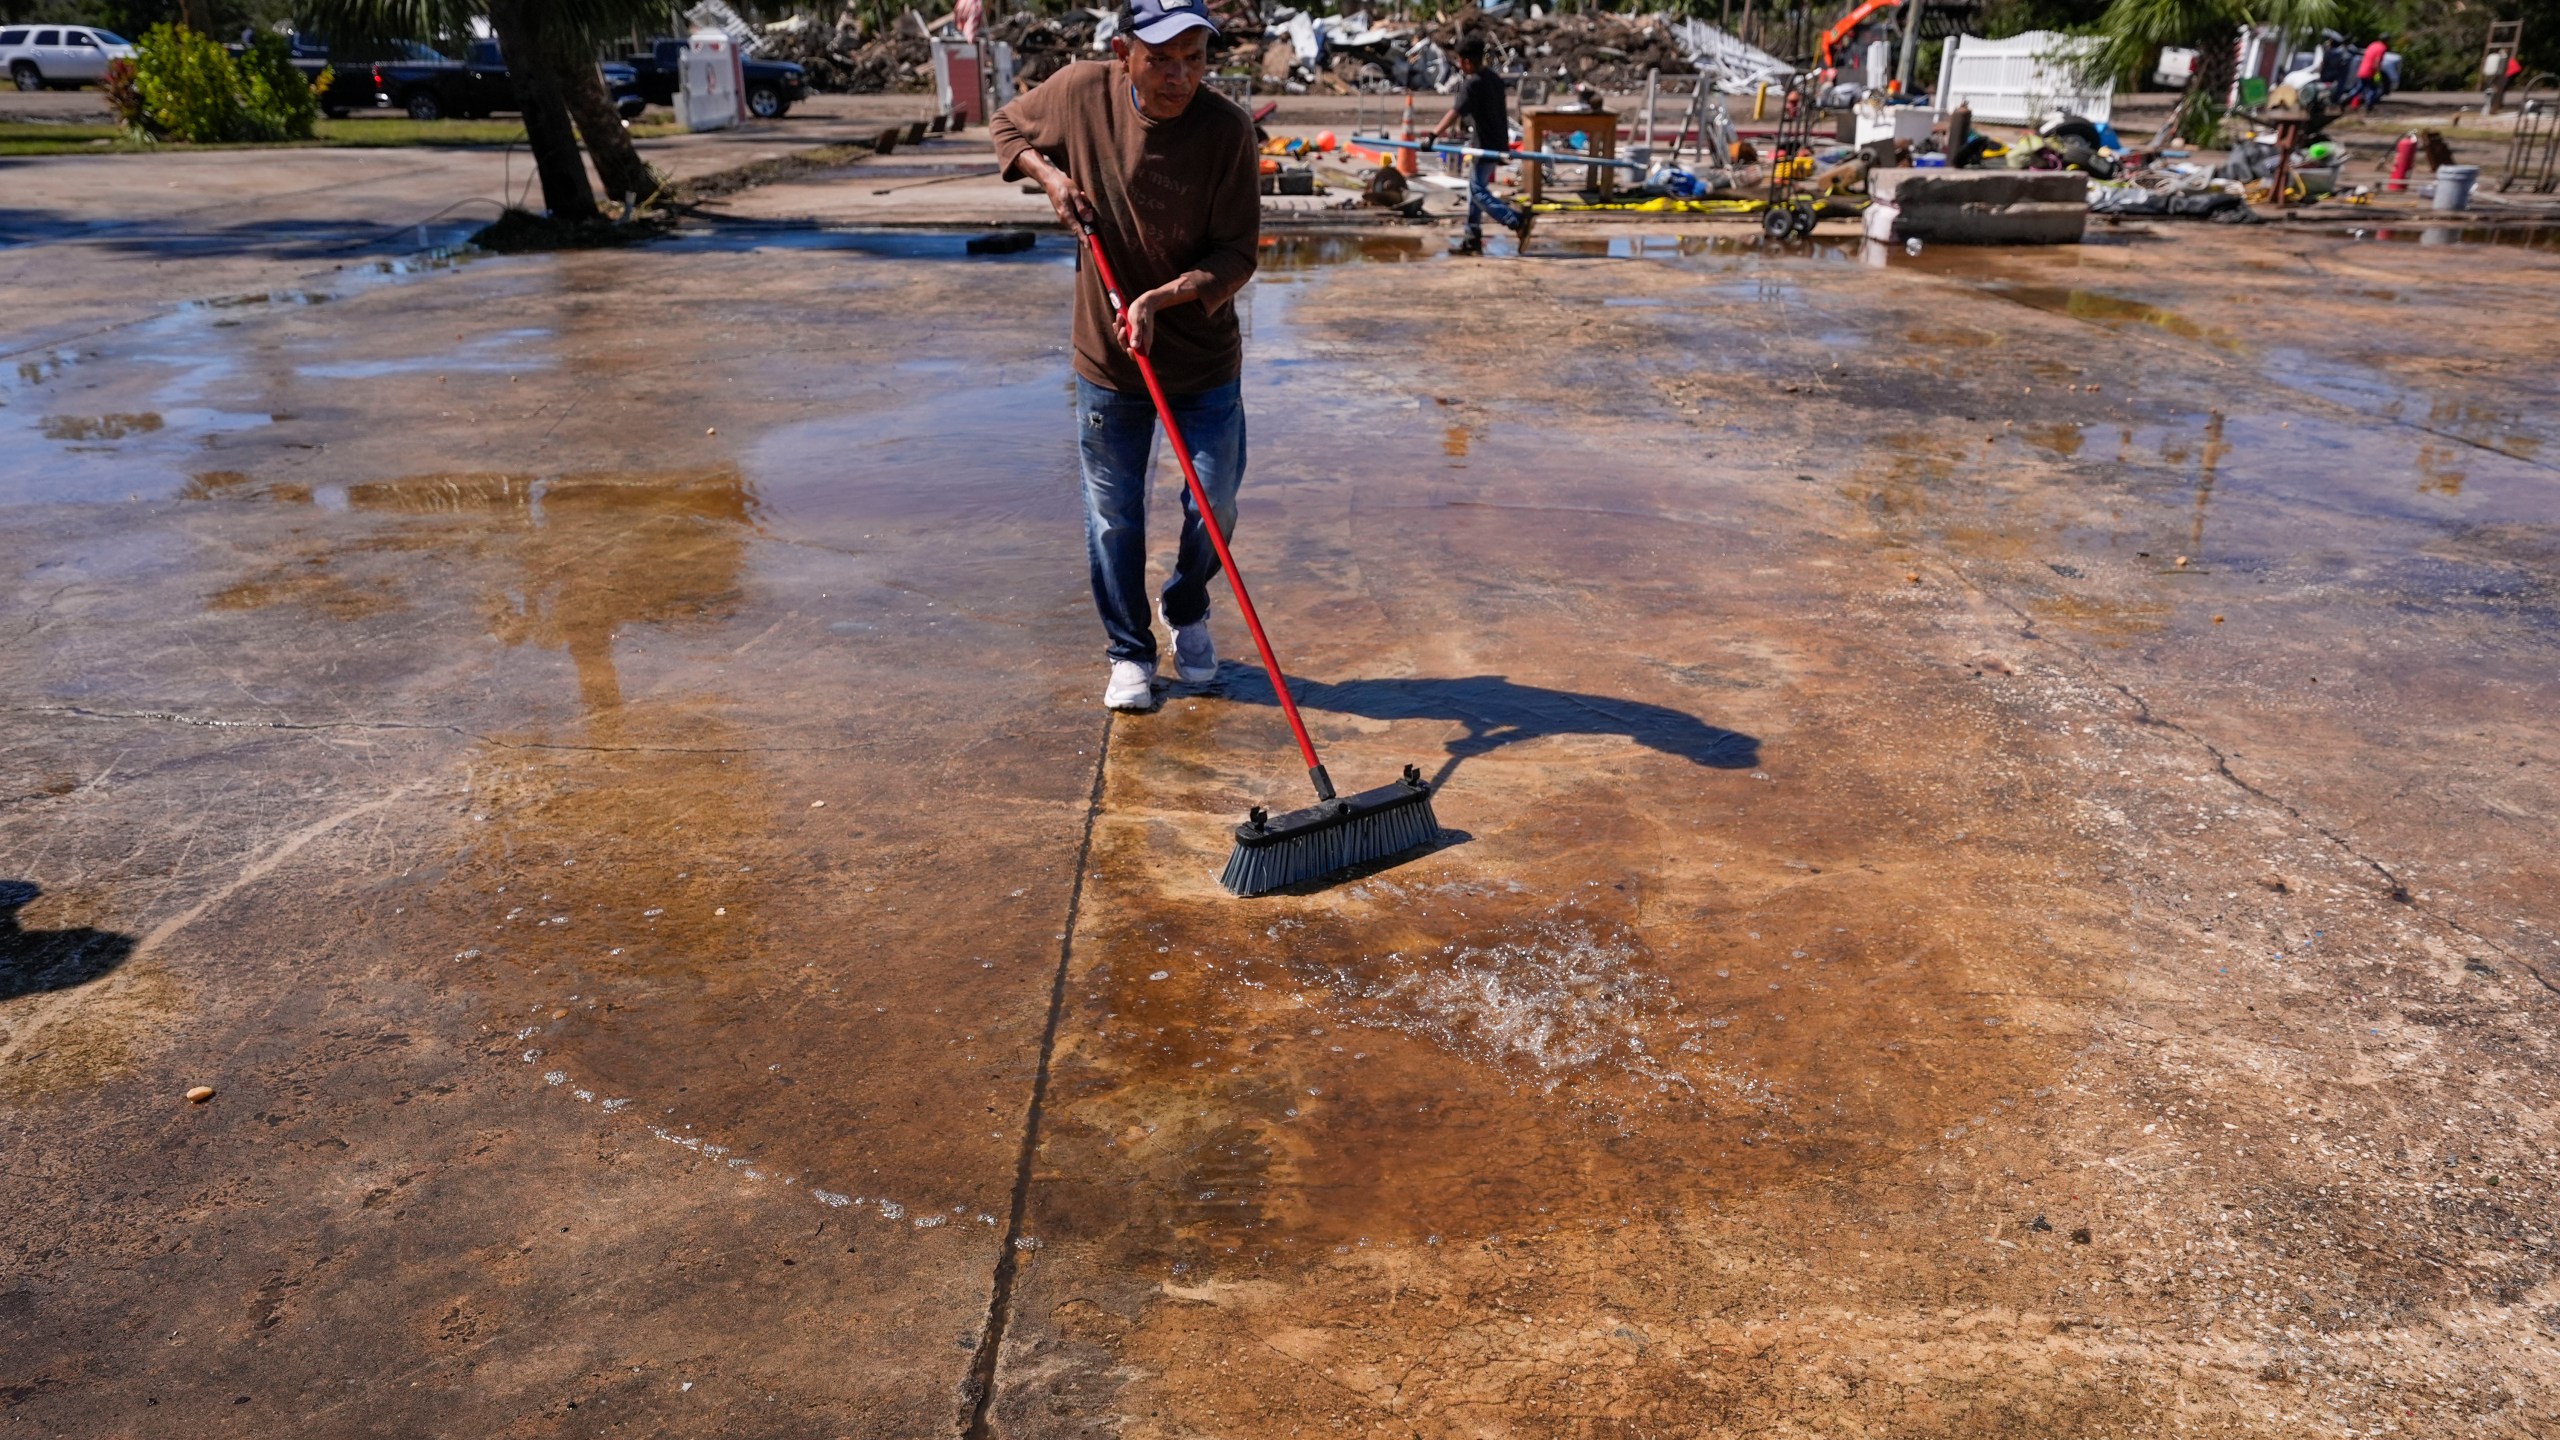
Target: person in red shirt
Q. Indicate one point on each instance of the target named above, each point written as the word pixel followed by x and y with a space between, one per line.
pixel 2369 72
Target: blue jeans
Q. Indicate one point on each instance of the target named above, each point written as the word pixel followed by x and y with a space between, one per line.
pixel 1116 436
pixel 1481 201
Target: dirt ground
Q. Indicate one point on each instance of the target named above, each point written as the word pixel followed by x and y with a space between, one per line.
pixel 1999 877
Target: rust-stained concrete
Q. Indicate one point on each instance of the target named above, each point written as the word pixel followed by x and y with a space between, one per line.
pixel 2000 885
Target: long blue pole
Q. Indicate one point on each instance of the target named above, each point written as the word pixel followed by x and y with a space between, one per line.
pixel 1472 153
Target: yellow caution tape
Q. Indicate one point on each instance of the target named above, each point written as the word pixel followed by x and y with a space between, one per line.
pixel 1659 205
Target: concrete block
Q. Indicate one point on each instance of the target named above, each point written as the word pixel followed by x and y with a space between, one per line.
pixel 1928 189
pixel 1979 207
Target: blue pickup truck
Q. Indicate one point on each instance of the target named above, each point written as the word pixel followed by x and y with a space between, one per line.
pixel 773 86
pixel 429 85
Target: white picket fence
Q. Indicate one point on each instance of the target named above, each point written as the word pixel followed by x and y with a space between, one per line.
pixel 2020 81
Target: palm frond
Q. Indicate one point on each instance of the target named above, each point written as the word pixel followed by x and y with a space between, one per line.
pixel 352 22
pixel 596 19
pixel 579 21
pixel 2133 30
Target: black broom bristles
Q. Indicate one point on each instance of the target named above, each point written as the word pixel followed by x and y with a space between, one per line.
pixel 1275 852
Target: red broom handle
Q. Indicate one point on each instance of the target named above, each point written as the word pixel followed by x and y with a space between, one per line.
pixel 1209 518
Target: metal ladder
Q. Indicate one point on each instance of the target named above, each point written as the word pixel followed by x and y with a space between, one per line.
pixel 2533 150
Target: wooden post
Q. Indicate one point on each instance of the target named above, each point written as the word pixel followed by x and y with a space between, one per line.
pixel 1909 60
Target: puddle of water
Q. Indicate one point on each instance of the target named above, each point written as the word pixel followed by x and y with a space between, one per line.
pixel 99 427
pixel 939 446
pixel 2522 237
pixel 2113 311
pixel 2392 394
pixel 79 459
pixel 143 429
pixel 502 352
pixel 1285 253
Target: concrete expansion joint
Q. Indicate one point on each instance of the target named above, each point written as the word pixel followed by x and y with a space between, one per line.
pixel 979 1389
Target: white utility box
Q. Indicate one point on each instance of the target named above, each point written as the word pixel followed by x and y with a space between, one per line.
pixel 712 89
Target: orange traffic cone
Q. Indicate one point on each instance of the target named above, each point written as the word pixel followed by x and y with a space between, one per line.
pixel 1408 159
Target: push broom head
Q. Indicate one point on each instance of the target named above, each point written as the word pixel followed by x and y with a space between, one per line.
pixel 1274 852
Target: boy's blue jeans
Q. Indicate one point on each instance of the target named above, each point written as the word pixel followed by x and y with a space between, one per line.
pixel 1481 201
pixel 1116 432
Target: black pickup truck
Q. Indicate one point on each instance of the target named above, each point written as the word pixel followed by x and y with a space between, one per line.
pixel 430 86
pixel 773 86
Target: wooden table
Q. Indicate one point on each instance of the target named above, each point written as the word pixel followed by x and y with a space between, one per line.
pixel 1600 127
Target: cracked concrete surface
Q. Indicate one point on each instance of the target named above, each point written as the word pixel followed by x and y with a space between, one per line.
pixel 1999 878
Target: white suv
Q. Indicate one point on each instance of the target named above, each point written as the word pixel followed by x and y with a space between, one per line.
pixel 40 56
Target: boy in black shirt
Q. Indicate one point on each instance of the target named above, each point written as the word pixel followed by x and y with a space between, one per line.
pixel 1480 103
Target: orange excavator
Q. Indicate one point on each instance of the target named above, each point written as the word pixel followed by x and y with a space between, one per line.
pixel 1849 24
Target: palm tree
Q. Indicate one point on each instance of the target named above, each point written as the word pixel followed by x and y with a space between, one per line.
pixel 2132 33
pixel 549 48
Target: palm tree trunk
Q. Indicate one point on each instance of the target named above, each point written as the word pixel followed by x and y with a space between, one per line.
pixel 547 129
pixel 618 162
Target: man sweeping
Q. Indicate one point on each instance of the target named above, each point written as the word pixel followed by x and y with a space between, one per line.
pixel 1166 172
pixel 1480 103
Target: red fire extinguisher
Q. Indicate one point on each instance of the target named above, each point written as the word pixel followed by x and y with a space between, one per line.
pixel 2402 158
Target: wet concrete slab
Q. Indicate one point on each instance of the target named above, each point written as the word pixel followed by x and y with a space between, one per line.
pixel 1802 1062
pixel 1997 877
pixel 91 242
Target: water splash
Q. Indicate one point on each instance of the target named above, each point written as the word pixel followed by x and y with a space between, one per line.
pixel 1551 1002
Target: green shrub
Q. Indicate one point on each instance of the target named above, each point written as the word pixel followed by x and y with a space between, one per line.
pixel 185 87
pixel 189 89
pixel 276 103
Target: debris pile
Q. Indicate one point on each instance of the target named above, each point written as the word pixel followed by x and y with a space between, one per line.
pixel 848 56
pixel 1295 52
pixel 842 57
pixel 1302 53
pixel 1043 45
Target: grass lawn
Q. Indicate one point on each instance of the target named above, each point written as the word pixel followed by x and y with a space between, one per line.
pixel 32 139
pixel 42 139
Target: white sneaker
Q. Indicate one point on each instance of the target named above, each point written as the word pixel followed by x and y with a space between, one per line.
pixel 1195 655
pixel 1132 687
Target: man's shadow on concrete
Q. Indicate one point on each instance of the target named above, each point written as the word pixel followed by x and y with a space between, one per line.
pixel 35 961
pixel 1498 712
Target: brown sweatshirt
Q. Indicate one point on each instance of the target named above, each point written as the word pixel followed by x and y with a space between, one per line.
pixel 1173 197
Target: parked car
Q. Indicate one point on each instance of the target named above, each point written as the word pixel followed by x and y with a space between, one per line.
pixel 773 86
pixel 40 57
pixel 430 86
